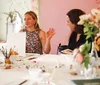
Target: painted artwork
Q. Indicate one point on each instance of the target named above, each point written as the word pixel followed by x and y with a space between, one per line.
pixel 12 15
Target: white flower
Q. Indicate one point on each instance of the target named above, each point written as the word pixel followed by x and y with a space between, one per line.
pixel 95 12
pixel 85 18
pixel 91 19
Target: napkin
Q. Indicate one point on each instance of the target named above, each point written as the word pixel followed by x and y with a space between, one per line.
pixel 17 40
pixel 2 58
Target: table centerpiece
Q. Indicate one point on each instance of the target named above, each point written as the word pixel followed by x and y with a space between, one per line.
pixel 86 54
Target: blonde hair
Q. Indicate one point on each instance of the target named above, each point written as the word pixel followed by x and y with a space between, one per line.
pixel 34 16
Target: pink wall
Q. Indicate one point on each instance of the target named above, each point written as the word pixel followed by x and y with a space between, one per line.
pixel 53 15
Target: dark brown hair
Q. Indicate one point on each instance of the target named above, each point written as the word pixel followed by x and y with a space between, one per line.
pixel 74 18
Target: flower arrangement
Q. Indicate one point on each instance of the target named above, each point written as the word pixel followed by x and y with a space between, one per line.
pixel 91 23
pixel 82 54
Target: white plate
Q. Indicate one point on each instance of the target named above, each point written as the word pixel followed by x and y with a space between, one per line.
pixel 16 58
pixel 32 54
pixel 30 57
pixel 66 51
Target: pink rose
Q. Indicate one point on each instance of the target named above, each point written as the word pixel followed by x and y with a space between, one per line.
pixel 79 58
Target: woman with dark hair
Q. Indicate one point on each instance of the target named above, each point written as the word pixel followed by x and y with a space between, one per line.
pixel 37 40
pixel 77 36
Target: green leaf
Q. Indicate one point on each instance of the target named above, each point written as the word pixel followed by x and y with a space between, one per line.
pixel 87 61
pixel 90 30
pixel 88 46
pixel 83 51
pixel 86 29
pixel 88 36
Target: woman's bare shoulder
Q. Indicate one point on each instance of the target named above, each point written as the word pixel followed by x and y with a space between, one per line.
pixel 42 31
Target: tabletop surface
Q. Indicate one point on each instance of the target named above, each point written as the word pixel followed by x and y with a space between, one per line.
pixel 60 73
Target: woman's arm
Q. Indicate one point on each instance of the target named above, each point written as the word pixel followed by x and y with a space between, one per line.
pixel 45 39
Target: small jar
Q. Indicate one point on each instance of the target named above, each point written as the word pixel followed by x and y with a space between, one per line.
pixel 7 61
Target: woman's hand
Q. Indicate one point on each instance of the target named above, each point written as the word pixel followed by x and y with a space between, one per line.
pixel 50 33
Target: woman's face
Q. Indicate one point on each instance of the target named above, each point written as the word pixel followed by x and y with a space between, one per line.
pixel 70 24
pixel 29 21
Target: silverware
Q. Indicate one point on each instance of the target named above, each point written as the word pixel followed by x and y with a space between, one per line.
pixel 23 82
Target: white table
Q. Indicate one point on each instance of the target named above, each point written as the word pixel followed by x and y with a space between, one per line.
pixel 7 76
pixel 61 75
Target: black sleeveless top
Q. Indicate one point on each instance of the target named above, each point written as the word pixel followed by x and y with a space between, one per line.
pixel 75 44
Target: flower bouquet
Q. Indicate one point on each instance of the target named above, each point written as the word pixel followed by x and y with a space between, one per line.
pixel 91 23
pixel 83 57
pixel 87 51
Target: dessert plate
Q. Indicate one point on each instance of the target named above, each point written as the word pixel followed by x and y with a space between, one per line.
pixel 66 51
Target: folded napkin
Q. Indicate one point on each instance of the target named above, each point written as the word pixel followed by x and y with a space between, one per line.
pixel 2 58
pixel 17 40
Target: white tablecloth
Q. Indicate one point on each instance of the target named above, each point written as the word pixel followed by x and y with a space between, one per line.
pixel 7 76
pixel 60 76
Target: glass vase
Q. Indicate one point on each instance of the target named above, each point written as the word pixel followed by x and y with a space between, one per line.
pixel 93 52
pixel 89 72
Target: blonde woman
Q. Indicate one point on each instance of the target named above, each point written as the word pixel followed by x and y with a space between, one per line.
pixel 37 40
